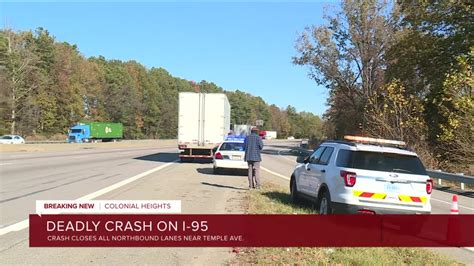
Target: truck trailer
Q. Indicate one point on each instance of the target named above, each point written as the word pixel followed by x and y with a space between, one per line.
pixel 203 123
pixel 94 131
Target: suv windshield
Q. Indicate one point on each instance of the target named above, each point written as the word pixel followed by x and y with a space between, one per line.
pixel 377 161
pixel 232 146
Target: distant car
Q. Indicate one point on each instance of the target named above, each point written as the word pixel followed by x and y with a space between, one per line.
pixel 304 144
pixel 11 139
pixel 290 138
pixel 230 155
pixel 363 175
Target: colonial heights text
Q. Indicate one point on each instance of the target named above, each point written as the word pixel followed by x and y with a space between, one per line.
pixel 118 206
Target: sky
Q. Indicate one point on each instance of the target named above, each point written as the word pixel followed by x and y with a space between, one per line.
pixel 237 45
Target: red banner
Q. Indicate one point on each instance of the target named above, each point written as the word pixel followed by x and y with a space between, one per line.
pixel 251 230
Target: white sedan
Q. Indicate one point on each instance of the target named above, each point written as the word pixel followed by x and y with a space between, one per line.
pixel 230 155
pixel 11 139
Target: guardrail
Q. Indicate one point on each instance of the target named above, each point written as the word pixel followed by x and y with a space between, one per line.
pixel 45 142
pixel 461 178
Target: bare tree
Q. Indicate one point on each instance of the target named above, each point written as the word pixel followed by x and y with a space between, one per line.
pixel 19 67
pixel 348 54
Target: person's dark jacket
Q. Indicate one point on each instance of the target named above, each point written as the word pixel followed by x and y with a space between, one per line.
pixel 253 146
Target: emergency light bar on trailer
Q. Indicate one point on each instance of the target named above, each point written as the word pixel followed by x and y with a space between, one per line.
pixel 375 141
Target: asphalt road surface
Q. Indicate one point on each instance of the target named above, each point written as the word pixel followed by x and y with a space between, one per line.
pixel 26 177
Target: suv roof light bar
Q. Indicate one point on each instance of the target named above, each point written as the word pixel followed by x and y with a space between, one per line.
pixel 340 142
pixel 375 141
pixel 235 138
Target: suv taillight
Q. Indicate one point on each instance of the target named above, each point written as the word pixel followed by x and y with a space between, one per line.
pixel 349 178
pixel 365 211
pixel 429 186
pixel 218 156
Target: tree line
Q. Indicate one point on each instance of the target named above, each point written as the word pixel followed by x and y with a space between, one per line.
pixel 398 70
pixel 47 86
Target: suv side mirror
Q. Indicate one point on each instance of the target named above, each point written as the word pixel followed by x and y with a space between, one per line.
pixel 302 159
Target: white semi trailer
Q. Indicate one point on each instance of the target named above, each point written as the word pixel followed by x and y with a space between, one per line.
pixel 203 123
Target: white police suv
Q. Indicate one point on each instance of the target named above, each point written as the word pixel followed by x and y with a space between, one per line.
pixel 363 175
pixel 230 154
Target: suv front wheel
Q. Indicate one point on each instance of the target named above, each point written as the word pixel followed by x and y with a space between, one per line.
pixel 293 190
pixel 324 203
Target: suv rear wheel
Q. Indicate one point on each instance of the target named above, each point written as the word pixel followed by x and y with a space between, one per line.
pixel 324 203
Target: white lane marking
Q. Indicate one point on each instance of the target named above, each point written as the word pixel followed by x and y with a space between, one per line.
pixel 15 227
pixel 5 164
pixel 274 173
pixel 123 182
pixel 25 223
pixel 449 203
pixel 285 157
pixel 470 248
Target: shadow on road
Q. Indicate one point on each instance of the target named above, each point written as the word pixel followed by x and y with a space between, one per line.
pixel 167 157
pixel 164 157
pixel 222 186
pixel 451 190
pixel 230 172
pixel 196 160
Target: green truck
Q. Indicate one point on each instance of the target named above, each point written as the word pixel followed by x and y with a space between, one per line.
pixel 94 131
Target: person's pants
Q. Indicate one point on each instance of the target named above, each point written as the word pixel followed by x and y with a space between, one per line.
pixel 254 174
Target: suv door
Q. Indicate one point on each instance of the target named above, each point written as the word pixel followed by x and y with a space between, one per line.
pixel 318 171
pixel 303 184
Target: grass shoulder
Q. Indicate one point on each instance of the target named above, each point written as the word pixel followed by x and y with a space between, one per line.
pixel 275 200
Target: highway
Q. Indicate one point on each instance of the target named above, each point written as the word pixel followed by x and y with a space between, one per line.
pixel 30 176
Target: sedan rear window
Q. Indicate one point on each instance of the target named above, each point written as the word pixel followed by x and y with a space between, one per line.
pixel 232 146
pixel 377 161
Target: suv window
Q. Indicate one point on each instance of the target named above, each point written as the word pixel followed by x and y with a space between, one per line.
pixel 377 161
pixel 232 146
pixel 316 155
pixel 326 156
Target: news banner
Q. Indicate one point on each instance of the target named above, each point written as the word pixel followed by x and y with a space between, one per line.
pixel 100 223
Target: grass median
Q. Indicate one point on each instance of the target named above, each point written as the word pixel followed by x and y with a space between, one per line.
pixel 275 200
pixel 54 147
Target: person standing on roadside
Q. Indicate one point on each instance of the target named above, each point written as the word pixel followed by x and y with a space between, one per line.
pixel 253 145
